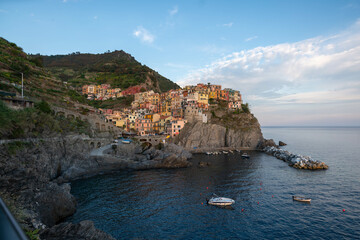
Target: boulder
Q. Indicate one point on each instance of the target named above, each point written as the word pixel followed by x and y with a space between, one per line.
pixel 202 164
pixel 55 203
pixel 282 143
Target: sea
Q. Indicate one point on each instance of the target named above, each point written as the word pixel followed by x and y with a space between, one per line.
pixel 171 204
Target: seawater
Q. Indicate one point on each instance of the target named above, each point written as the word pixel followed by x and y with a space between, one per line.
pixel 171 204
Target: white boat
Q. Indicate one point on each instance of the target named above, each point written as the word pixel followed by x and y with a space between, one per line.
pixel 220 201
pixel 126 141
pixel 301 199
pixel 208 153
pixel 225 152
pixel 245 155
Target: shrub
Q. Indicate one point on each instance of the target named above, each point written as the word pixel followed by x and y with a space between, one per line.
pixel 43 106
pixel 245 107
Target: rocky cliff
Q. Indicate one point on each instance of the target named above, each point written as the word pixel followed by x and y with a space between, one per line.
pixel 239 131
pixel 34 176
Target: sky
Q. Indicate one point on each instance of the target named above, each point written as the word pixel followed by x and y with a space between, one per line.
pixel 297 63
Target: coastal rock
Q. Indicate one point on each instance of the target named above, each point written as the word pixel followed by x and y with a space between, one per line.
pixel 207 136
pixel 202 164
pixel 295 160
pixel 178 150
pixel 32 178
pixel 267 143
pixel 84 230
pixel 281 143
pixel 55 203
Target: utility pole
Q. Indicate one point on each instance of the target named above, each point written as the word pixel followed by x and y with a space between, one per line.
pixel 22 85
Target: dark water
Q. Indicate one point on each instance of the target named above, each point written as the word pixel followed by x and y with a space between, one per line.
pixel 167 204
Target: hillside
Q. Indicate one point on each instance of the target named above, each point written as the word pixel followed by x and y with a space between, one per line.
pixel 38 83
pixel 55 79
pixel 117 68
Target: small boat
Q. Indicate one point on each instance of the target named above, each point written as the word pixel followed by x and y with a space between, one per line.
pixel 208 153
pixel 231 151
pixel 220 201
pixel 301 199
pixel 126 141
pixel 225 152
pixel 245 155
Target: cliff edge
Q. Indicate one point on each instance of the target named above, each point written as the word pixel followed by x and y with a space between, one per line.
pixel 224 130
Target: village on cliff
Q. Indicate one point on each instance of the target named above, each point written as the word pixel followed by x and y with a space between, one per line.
pixel 163 113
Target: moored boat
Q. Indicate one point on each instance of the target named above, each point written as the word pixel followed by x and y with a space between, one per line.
pixel 126 141
pixel 301 199
pixel 220 201
pixel 245 155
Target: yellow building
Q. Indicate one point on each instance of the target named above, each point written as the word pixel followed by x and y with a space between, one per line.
pixel 212 95
pixel 203 97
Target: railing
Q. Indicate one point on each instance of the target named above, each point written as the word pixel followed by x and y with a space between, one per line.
pixel 9 228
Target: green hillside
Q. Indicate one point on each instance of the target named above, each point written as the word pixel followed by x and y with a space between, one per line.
pixel 38 83
pixel 116 68
pixel 56 79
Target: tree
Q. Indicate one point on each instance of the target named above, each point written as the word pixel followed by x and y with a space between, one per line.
pixel 245 107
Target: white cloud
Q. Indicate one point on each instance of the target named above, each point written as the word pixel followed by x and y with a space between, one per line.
pixel 174 11
pixel 144 35
pixel 228 24
pixel 318 71
pixel 250 38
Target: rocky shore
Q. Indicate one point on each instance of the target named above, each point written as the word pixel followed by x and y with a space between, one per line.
pixel 295 160
pixel 202 137
pixel 34 179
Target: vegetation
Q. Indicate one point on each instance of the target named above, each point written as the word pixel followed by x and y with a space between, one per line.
pixel 116 68
pixel 33 234
pixel 36 122
pixel 245 107
pixel 113 104
pixel 13 147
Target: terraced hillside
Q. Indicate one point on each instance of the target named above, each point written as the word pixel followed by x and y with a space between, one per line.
pixel 117 68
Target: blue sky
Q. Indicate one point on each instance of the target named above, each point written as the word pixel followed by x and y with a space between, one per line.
pixel 295 62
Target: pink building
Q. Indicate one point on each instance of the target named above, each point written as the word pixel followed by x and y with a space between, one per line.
pixel 176 126
pixel 143 126
pixel 235 105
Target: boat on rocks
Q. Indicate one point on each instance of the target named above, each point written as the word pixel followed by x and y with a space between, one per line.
pixel 301 199
pixel 220 201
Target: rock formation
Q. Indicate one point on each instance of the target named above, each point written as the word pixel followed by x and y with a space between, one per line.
pixel 295 160
pixel 33 179
pixel 243 133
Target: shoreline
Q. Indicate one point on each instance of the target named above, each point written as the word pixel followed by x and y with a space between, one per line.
pixel 35 180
